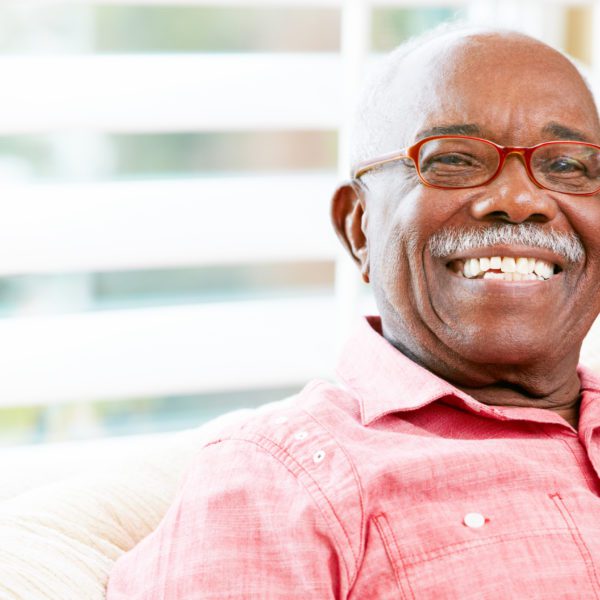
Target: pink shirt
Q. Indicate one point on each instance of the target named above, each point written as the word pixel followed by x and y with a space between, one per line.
pixel 393 485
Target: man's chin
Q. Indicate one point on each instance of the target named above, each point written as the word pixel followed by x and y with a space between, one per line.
pixel 503 322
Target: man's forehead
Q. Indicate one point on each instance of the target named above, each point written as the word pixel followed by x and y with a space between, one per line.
pixel 488 83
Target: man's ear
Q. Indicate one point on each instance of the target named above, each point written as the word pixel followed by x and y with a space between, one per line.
pixel 350 222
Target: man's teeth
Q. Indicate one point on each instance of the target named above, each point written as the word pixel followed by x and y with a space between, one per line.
pixel 506 268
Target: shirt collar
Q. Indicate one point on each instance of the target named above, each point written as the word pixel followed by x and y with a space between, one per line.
pixel 589 410
pixel 385 381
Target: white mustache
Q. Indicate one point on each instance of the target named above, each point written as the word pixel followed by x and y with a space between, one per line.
pixel 455 241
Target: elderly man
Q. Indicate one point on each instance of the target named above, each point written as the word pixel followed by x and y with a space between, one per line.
pixel 459 457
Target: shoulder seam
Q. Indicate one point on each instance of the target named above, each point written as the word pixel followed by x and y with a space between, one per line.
pixel 357 559
pixel 273 449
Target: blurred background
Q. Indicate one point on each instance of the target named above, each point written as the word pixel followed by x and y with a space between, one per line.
pixel 165 175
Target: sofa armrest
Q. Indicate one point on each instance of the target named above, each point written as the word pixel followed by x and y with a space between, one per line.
pixel 60 534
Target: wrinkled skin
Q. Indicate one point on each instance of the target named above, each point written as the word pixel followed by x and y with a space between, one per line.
pixel 504 343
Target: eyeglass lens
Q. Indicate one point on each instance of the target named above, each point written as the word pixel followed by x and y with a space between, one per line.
pixel 457 162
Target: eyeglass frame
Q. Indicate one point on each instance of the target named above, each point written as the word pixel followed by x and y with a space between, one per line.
pixel 412 153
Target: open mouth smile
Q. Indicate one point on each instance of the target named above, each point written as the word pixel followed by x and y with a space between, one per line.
pixel 505 268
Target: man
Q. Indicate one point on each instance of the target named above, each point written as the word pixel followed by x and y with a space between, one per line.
pixel 460 455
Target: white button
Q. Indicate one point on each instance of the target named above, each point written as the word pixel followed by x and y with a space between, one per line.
pixel 474 520
pixel 301 435
pixel 280 420
pixel 318 456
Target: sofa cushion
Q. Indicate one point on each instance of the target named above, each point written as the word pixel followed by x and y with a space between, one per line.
pixel 59 540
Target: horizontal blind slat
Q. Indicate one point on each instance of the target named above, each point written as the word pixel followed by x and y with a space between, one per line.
pixel 177 350
pixel 278 3
pixel 169 93
pixel 155 224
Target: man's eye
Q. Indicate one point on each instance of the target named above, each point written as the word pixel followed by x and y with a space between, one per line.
pixel 565 165
pixel 452 159
pixel 449 160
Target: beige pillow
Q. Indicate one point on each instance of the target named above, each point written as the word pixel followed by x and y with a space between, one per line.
pixel 58 540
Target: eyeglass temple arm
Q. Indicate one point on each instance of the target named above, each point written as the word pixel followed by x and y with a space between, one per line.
pixel 359 169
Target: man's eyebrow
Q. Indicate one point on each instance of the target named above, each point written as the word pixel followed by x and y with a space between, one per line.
pixel 458 129
pixel 563 132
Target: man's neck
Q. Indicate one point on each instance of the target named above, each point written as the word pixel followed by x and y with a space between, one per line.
pixel 554 387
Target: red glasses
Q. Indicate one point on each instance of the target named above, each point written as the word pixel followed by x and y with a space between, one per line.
pixel 453 162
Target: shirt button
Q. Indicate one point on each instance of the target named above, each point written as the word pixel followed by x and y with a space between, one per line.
pixel 280 420
pixel 474 520
pixel 318 456
pixel 301 435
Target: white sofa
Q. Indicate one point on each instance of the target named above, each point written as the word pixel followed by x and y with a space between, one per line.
pixel 68 511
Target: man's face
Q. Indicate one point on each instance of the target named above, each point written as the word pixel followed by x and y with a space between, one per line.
pixel 515 93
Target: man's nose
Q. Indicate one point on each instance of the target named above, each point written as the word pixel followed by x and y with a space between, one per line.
pixel 512 197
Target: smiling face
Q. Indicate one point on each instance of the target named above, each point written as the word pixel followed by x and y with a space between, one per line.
pixel 470 328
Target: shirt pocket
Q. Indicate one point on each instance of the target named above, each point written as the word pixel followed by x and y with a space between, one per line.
pixel 502 545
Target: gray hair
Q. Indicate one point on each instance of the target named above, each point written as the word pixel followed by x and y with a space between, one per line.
pixel 372 118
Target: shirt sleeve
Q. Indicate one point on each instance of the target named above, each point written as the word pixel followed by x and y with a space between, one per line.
pixel 242 526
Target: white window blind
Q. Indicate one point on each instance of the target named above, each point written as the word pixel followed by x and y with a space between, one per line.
pixel 85 225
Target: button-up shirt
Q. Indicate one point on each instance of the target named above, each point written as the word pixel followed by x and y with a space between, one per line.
pixel 390 484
